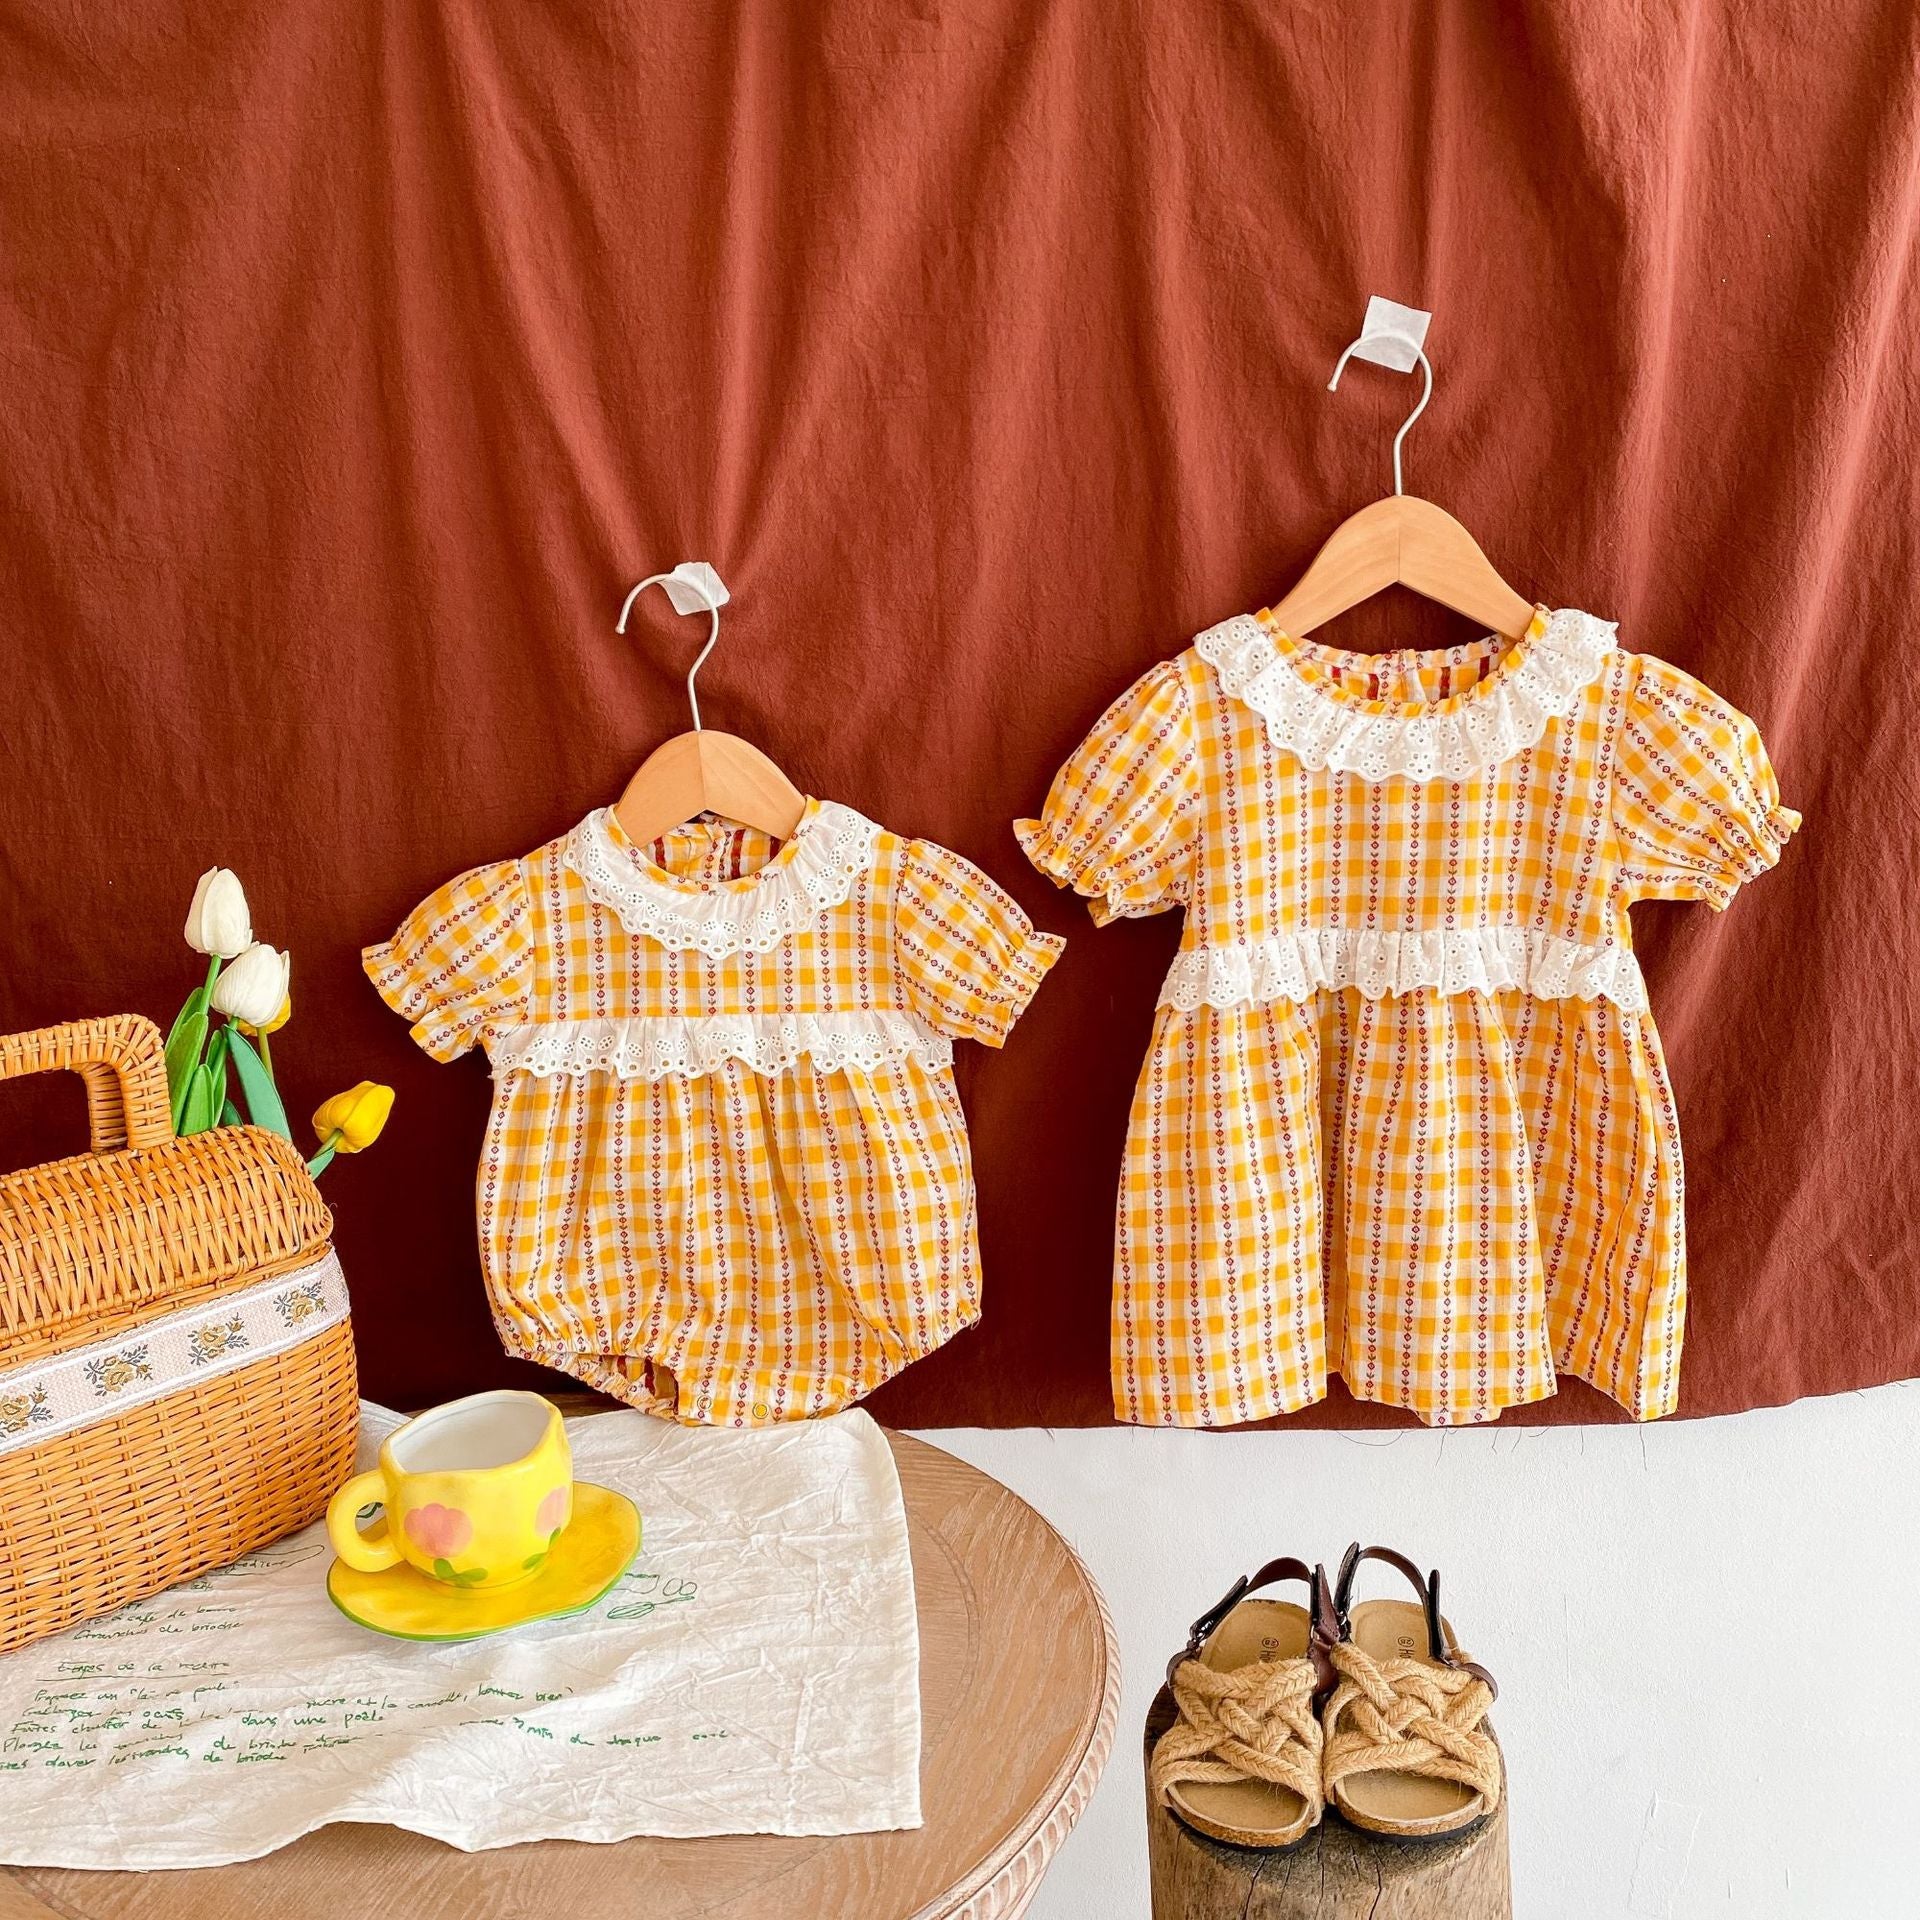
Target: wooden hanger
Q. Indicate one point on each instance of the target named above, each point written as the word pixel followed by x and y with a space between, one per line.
pixel 1402 541
pixel 704 771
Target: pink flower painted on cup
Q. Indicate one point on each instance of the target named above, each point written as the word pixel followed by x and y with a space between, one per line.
pixel 440 1531
pixel 552 1515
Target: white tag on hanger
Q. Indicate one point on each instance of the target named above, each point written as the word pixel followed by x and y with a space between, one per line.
pixel 1386 332
pixel 694 587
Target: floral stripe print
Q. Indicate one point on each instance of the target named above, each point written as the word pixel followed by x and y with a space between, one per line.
pixel 726 1176
pixel 1405 1114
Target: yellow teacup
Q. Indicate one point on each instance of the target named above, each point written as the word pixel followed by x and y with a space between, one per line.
pixel 476 1493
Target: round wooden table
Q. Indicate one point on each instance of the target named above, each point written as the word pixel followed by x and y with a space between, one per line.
pixel 1019 1685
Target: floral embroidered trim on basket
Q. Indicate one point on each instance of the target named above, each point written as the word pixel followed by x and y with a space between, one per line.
pixel 1505 714
pixel 168 1354
pixel 1459 960
pixel 830 849
pixel 654 1046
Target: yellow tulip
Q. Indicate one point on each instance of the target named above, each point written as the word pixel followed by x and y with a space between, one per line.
pixel 351 1122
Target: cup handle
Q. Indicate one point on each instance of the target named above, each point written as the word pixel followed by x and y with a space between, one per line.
pixel 370 1552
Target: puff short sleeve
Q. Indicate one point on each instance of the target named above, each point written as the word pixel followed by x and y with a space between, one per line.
pixel 1118 823
pixel 1695 805
pixel 460 967
pixel 968 958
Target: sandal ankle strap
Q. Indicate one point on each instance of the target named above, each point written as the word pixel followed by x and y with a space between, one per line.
pixel 1324 1619
pixel 1428 1588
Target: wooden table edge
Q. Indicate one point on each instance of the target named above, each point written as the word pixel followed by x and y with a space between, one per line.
pixel 1014 1868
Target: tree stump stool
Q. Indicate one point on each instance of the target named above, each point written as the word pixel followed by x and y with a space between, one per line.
pixel 1336 1873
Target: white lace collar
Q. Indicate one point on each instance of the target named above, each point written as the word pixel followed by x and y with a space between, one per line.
pixel 1325 726
pixel 812 873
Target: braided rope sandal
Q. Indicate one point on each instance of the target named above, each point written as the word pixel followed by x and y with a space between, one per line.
pixel 1408 1751
pixel 1241 1763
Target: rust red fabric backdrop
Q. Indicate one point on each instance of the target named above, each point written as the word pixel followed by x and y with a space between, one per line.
pixel 357 359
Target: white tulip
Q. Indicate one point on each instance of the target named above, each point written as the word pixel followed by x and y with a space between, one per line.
pixel 218 921
pixel 254 985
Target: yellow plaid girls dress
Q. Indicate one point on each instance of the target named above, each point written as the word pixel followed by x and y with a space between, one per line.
pixel 1405 1113
pixel 726 1175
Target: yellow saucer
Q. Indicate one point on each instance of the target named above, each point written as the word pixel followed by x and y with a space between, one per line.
pixel 597 1547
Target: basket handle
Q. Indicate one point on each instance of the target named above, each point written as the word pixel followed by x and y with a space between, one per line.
pixel 124 1065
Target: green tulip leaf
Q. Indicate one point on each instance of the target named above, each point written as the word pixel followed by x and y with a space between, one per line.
pixel 199 1104
pixel 263 1098
pixel 219 1099
pixel 320 1162
pixel 194 1006
pixel 186 1038
pixel 183 1056
pixel 216 1064
pixel 230 1115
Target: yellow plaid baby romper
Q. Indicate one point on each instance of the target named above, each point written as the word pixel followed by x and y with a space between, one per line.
pixel 726 1174
pixel 1405 1114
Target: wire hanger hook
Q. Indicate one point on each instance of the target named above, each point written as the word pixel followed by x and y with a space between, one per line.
pixel 712 605
pixel 1426 367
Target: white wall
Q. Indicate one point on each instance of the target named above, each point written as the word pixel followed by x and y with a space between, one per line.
pixel 1707 1633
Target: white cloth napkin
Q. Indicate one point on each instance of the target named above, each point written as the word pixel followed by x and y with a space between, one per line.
pixel 756 1671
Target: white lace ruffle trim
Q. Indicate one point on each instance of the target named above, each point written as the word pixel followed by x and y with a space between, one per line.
pixel 657 1046
pixel 831 848
pixel 1502 716
pixel 1464 960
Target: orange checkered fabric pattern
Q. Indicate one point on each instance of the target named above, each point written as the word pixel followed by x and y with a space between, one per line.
pixel 726 1175
pixel 1405 1115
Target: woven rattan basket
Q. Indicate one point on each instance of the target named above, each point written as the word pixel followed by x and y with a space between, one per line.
pixel 176 1363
